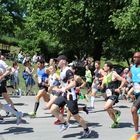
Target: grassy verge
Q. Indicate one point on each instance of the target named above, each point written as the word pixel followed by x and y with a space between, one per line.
pixel 22 81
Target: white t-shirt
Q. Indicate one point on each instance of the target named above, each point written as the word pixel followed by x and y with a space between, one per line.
pixel 3 66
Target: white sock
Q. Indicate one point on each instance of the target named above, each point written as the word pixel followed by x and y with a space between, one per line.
pixel 92 101
pixel 8 108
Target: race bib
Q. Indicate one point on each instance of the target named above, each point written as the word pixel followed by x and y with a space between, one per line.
pixel 39 80
pixel 108 92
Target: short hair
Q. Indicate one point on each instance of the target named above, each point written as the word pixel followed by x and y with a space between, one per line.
pixel 42 61
pixel 98 62
pixel 109 64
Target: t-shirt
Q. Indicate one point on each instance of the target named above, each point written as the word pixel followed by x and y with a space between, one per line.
pixel 135 71
pixel 3 66
pixel 65 76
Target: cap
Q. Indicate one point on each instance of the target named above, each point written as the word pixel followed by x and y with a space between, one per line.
pixel 61 57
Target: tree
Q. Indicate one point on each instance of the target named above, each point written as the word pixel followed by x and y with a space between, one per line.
pixel 126 22
pixel 10 17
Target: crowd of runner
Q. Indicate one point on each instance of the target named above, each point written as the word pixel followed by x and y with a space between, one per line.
pixel 60 87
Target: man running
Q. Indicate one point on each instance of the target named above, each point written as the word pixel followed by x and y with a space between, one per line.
pixel 69 97
pixel 42 76
pixel 135 75
pixel 4 71
pixel 112 89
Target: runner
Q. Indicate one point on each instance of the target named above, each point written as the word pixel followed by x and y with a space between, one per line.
pixel 112 89
pixel 88 76
pixel 4 71
pixel 98 77
pixel 135 74
pixel 69 97
pixel 53 85
pixel 80 83
pixel 42 75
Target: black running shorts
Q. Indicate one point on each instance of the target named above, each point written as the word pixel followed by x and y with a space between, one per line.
pixel 2 88
pixel 137 102
pixel 71 104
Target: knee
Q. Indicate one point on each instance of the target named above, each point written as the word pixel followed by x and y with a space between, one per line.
pixel 106 108
pixel 134 110
pixel 53 108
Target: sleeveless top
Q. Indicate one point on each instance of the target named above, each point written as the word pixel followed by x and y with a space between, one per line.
pixel 109 84
pixel 65 76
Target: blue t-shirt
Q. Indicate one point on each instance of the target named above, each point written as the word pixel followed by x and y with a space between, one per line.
pixel 135 71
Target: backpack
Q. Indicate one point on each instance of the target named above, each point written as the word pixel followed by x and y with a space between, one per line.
pixel 24 75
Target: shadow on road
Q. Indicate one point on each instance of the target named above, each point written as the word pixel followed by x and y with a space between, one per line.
pixel 17 130
pixel 121 106
pixel 124 125
pixel 19 104
pixel 13 121
pixel 93 135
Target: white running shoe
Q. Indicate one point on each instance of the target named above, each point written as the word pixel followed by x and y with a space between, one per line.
pixel 63 127
pixel 19 117
pixel 85 134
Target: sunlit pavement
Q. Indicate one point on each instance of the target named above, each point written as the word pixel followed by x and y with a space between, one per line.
pixel 42 127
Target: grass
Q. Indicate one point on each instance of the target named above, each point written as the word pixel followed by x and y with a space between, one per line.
pixel 22 81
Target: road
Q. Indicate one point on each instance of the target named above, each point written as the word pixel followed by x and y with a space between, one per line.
pixel 42 127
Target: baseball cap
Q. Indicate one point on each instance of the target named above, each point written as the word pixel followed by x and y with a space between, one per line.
pixel 61 57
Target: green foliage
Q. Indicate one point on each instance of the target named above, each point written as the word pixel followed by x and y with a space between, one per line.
pixel 96 28
pixel 126 22
pixel 10 16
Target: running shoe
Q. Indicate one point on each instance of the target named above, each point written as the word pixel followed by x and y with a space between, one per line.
pixel 19 117
pixel 57 122
pixel 135 137
pixel 85 109
pixel 115 125
pixel 63 127
pixel 85 134
pixel 32 114
pixel 2 120
pixel 117 116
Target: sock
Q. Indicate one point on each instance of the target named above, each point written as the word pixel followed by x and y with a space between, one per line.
pixel 85 109
pixel 87 129
pixel 15 109
pixel 36 106
pixel 8 108
pixel 65 123
pixel 92 101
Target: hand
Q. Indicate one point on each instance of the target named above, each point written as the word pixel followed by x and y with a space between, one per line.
pixel 117 90
pixel 99 86
pixel 1 77
pixel 63 89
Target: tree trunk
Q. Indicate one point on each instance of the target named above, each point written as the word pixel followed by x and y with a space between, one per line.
pixel 97 51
